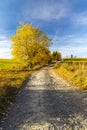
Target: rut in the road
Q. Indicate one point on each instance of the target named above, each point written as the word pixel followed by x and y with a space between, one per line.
pixel 47 102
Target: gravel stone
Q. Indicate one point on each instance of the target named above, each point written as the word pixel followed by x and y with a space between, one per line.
pixel 47 102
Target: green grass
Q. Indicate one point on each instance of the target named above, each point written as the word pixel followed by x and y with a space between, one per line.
pixel 8 63
pixel 75 60
pixel 12 76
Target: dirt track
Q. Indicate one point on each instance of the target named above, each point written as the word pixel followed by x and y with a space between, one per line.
pixel 47 102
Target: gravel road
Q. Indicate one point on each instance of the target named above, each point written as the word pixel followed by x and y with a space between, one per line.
pixel 47 102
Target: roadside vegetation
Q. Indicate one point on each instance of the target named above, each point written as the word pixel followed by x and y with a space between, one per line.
pixel 68 60
pixel 12 76
pixel 74 71
pixel 56 56
pixel 31 45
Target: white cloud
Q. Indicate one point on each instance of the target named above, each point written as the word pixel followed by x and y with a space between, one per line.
pixel 45 11
pixel 2 37
pixel 70 44
pixel 5 53
pixel 80 18
pixel 5 46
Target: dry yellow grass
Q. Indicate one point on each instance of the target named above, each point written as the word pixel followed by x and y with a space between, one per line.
pixel 74 73
pixel 12 76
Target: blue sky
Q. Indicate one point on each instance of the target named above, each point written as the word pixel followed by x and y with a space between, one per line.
pixel 65 21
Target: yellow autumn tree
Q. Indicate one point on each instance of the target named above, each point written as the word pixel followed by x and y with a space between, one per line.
pixel 43 56
pixel 28 42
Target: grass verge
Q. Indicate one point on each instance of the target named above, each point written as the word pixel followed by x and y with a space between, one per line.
pixel 12 76
pixel 75 73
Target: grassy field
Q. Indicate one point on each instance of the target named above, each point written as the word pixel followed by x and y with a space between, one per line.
pixel 67 60
pixel 12 76
pixel 74 71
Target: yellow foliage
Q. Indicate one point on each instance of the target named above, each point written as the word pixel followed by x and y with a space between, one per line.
pixel 27 41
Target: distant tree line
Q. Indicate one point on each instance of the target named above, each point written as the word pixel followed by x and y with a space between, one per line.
pixel 56 56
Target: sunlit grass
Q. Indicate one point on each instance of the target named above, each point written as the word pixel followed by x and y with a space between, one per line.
pixel 75 73
pixel 12 76
pixel 68 60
